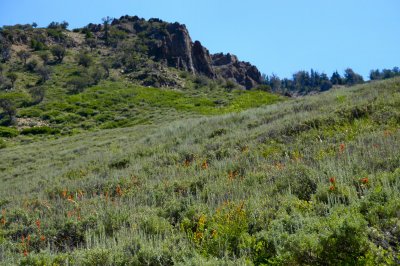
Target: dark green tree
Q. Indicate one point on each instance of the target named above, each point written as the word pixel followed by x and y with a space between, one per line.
pixel 59 52
pixel 23 55
pixel 9 108
pixel 13 77
pixel 336 79
pixel 352 78
pixel 44 73
pixel 84 59
pixel 106 28
pixel 37 94
pixel 45 56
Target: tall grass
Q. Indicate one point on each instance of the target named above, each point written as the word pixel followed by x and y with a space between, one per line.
pixel 313 180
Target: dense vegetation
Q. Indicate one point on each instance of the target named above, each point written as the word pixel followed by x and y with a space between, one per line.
pixel 108 157
pixel 67 82
pixel 304 82
pixel 308 181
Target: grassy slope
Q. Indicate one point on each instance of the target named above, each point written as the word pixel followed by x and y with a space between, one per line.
pixel 117 102
pixel 306 181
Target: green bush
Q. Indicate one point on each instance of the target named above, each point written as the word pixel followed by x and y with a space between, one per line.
pixel 8 132
pixel 40 131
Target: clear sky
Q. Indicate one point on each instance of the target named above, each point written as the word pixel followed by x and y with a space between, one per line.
pixel 278 36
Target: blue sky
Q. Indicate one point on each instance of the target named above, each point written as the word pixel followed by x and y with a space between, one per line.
pixel 280 36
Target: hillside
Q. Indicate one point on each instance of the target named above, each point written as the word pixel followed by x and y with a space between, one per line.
pixel 125 72
pixel 312 181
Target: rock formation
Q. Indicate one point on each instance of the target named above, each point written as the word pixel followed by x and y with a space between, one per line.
pixel 171 43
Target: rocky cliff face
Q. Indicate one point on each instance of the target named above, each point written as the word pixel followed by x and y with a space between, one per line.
pixel 171 43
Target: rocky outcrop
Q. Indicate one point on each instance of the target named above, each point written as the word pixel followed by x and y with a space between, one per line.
pixel 171 43
pixel 229 67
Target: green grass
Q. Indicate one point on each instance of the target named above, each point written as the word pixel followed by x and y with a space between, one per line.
pixel 117 102
pixel 311 181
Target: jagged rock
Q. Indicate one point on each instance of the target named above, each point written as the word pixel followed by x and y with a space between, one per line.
pixel 171 43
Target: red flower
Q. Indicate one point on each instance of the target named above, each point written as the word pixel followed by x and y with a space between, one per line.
pixel 38 224
pixel 342 147
pixel 364 180
pixel 332 180
pixel 332 188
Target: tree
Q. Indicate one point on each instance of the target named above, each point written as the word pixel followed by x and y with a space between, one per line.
pixel 275 82
pixel 13 77
pixel 23 55
pixel 1 69
pixel 375 74
pixel 106 25
pixel 336 79
pixel 59 52
pixel 5 49
pixel 64 25
pixel 34 25
pixel 352 78
pixel 31 65
pixel 106 65
pixel 44 73
pixel 78 84
pixel 45 56
pixel 9 108
pixel 37 94
pixel 92 43
pixel 84 59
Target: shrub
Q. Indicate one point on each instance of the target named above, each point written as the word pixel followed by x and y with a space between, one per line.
pixel 40 131
pixel 84 59
pixel 7 132
pixel 31 65
pixel 298 180
pixel 59 52
pixel 37 45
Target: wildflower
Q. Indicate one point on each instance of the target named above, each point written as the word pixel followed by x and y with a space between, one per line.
pixel 364 180
pixel 42 238
pixel 332 180
pixel 38 224
pixel 118 190
pixel 214 233
pixel 342 147
pixel 64 193
pixel 29 238
pixel 3 221
pixel 199 235
pixel 204 165
pixel 387 133
pixel 25 252
pixel 332 188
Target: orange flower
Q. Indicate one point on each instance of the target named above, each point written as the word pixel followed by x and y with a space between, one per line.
pixel 64 193
pixel 342 147
pixel 332 188
pixel 29 238
pixel 332 180
pixel 118 190
pixel 26 253
pixel 204 165
pixel 387 133
pixel 232 175
pixel 364 180
pixel 3 221
pixel 38 224
pixel 42 238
